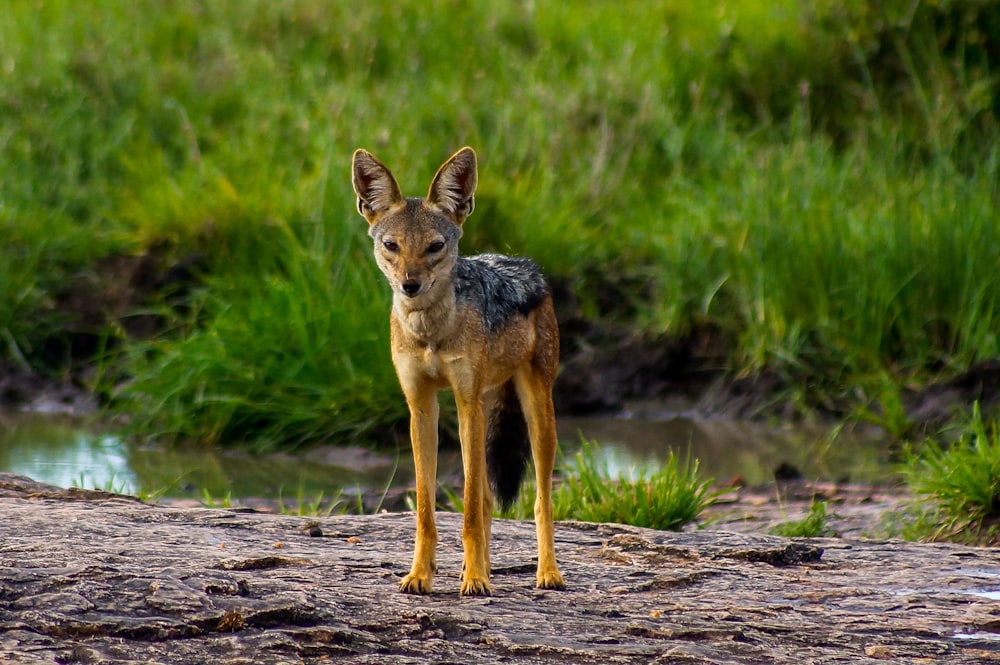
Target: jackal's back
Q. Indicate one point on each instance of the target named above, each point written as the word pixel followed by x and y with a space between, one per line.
pixel 499 287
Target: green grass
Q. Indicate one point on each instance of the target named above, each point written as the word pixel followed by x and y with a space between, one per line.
pixel 957 486
pixel 667 498
pixel 813 525
pixel 283 357
pixel 817 183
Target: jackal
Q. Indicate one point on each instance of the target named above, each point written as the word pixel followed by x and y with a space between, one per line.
pixel 483 326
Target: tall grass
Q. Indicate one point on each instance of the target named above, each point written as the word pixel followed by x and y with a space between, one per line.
pixel 283 357
pixel 739 166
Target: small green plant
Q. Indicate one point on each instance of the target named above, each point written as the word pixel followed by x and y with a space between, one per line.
pixel 813 525
pixel 316 506
pixel 452 500
pixel 113 485
pixel 210 501
pixel 885 409
pixel 960 481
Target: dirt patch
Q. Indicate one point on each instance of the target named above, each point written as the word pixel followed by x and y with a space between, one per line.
pixel 938 404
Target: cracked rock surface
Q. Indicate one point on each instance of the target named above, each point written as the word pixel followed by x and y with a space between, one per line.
pixel 88 577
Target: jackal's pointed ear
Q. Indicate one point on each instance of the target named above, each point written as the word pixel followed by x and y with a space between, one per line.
pixel 454 185
pixel 377 190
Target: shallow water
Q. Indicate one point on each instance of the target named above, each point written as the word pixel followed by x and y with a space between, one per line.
pixel 67 452
pixel 727 449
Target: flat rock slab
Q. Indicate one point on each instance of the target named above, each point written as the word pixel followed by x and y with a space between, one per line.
pixel 87 577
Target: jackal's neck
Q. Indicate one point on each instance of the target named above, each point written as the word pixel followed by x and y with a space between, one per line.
pixel 430 318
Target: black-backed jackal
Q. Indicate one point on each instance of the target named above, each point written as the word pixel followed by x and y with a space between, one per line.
pixel 483 326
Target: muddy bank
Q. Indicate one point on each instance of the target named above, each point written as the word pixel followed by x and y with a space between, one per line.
pixel 601 375
pixel 23 388
pixel 86 577
pixel 603 365
pixel 602 369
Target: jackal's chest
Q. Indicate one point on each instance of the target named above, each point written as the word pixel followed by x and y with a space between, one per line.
pixel 441 367
pixel 436 364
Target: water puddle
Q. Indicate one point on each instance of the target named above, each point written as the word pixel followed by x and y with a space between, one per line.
pixel 978 636
pixel 62 451
pixel 65 452
pixel 726 449
pixel 989 595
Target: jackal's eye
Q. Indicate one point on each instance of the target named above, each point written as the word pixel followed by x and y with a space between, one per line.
pixel 435 246
pixel 390 245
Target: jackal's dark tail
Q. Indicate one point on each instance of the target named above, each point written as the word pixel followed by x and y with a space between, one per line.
pixel 507 446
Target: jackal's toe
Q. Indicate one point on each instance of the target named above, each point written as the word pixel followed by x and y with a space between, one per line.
pixel 474 586
pixel 551 579
pixel 417 584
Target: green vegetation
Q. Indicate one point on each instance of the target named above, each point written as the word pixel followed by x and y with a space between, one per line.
pixel 815 183
pixel 112 485
pixel 210 501
pixel 316 506
pixel 666 498
pixel 957 486
pixel 812 525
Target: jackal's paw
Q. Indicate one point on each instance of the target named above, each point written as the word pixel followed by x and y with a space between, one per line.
pixel 550 579
pixel 475 586
pixel 413 583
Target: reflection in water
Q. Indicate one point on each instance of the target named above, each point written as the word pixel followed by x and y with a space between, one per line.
pixel 62 452
pixel 57 450
pixel 729 449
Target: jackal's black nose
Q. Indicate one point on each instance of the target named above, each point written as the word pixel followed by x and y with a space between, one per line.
pixel 410 287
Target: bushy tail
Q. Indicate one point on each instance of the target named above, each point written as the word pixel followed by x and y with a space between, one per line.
pixel 507 446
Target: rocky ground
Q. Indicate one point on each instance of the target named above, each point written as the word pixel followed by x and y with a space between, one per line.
pixel 87 577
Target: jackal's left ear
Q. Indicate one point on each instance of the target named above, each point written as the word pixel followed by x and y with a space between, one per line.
pixel 377 190
pixel 454 185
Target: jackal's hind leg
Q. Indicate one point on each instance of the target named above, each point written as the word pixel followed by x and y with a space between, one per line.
pixel 535 393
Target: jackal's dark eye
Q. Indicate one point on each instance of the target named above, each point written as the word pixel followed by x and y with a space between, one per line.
pixel 435 247
pixel 390 245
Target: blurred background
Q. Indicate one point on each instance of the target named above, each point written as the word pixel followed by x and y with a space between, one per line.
pixel 782 212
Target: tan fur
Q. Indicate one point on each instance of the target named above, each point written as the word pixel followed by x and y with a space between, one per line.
pixel 439 342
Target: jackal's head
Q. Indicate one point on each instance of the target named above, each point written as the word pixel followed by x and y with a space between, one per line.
pixel 416 240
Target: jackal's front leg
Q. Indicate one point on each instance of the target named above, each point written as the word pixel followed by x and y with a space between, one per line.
pixel 424 439
pixel 475 529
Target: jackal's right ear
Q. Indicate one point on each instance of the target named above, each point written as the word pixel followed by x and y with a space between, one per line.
pixel 377 190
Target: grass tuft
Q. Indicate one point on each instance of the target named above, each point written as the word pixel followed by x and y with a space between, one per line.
pixel 958 486
pixel 813 525
pixel 667 498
